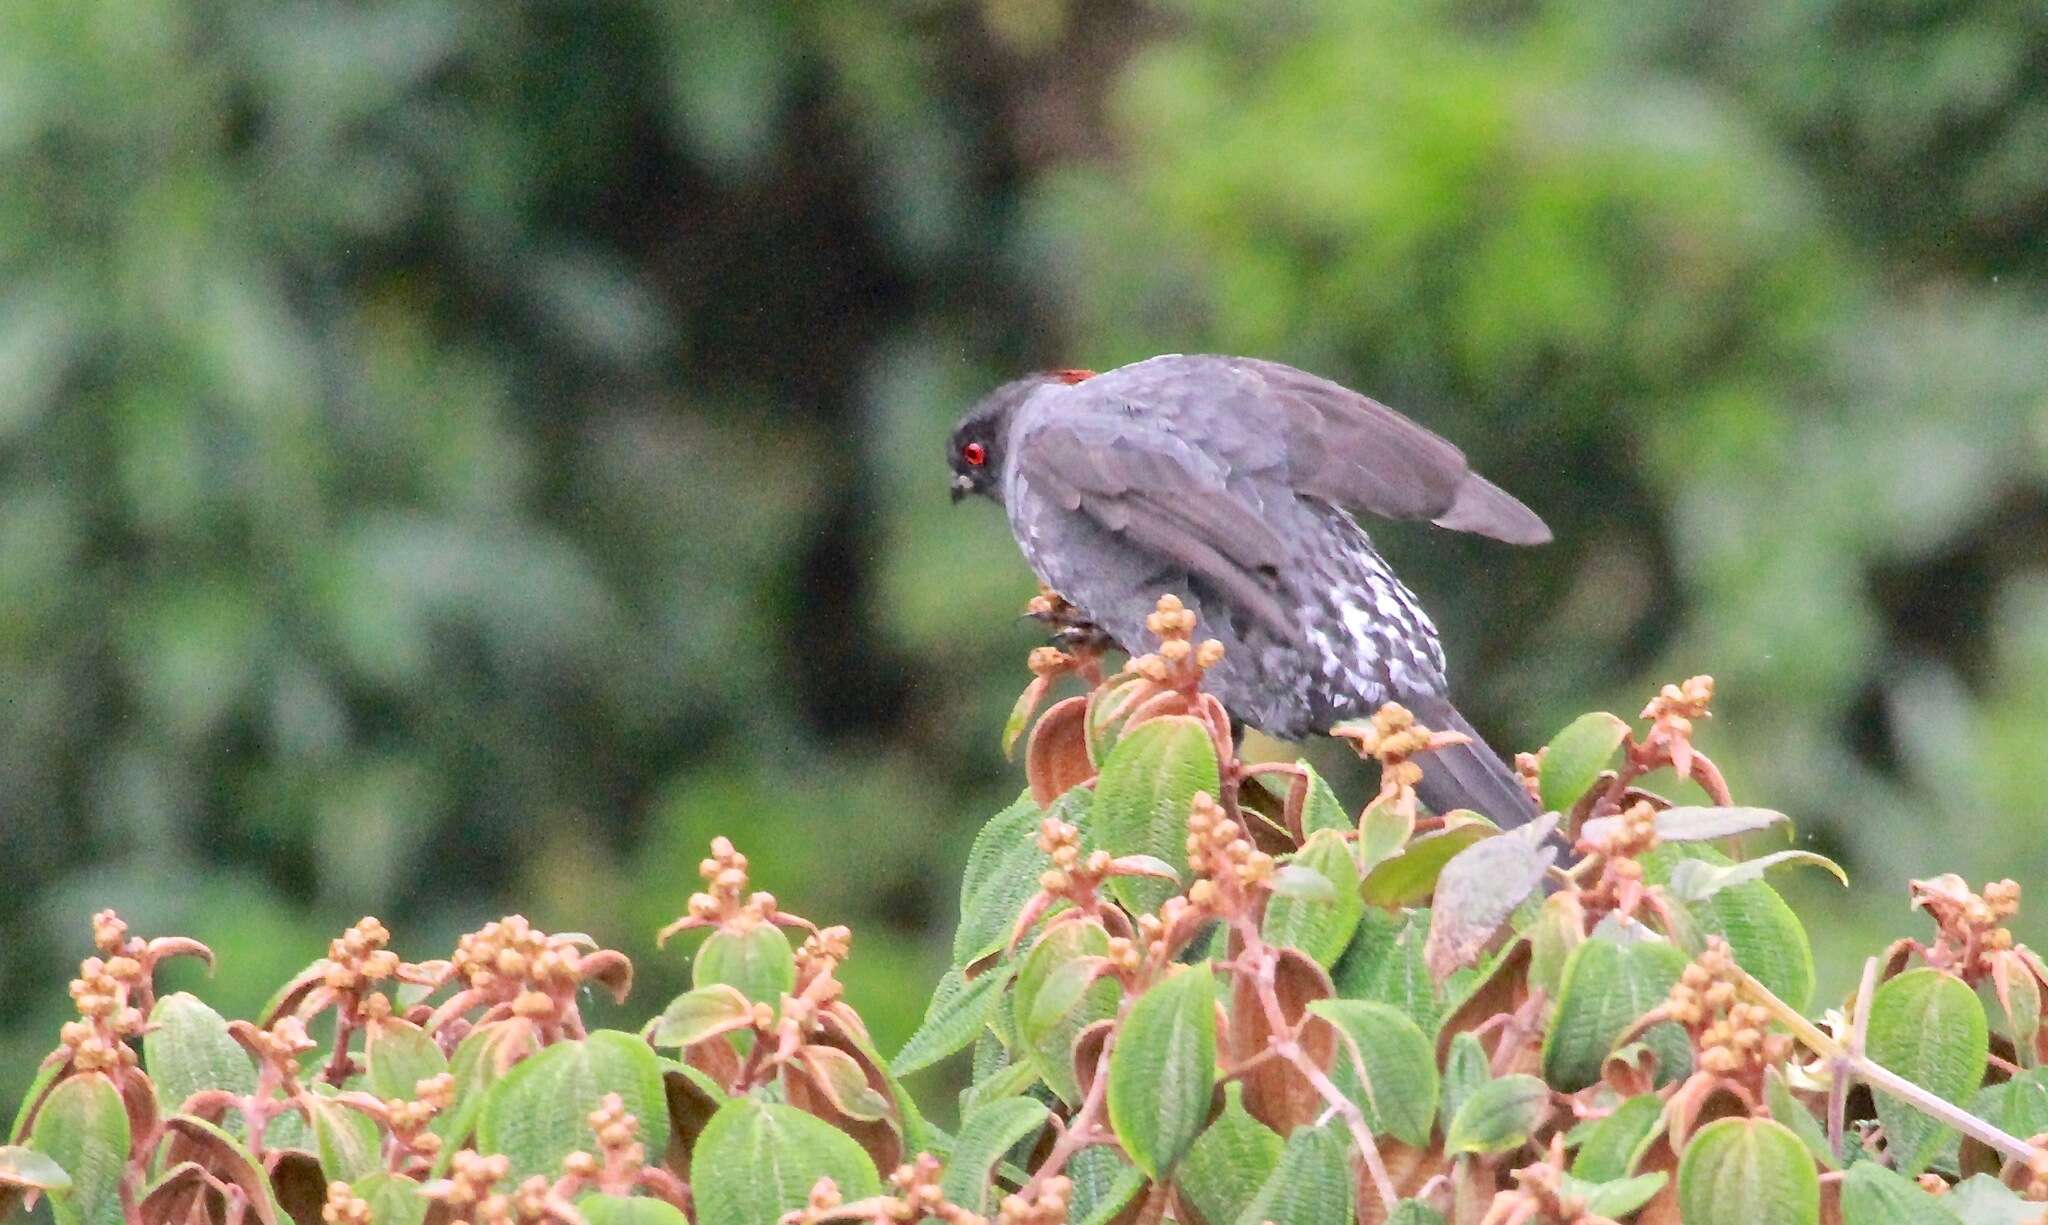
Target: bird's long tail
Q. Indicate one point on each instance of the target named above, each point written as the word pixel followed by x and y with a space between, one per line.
pixel 1469 775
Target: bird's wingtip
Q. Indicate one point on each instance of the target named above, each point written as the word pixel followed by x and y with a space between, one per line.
pixel 1486 509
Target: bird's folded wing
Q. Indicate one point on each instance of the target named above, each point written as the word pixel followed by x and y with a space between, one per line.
pixel 1351 450
pixel 1169 500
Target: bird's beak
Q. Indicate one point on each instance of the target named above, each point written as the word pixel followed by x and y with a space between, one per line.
pixel 962 486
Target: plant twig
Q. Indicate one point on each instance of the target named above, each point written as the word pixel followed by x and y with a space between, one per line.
pixel 1848 1059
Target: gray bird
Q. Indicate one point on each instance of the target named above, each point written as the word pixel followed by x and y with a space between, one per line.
pixel 1230 482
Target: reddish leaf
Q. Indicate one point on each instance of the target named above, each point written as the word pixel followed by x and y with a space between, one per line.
pixel 1275 1092
pixel 221 1156
pixel 1056 760
pixel 1088 1046
pixel 610 969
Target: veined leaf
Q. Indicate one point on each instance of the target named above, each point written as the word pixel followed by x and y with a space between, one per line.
pixel 1142 800
pixel 83 1127
pixel 759 1160
pixel 1163 1069
pixel 1928 1027
pixel 1747 1172
pixel 538 1112
pixel 1575 757
pixel 1385 1064
pixel 1320 926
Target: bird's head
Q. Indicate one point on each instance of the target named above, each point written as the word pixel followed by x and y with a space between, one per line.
pixel 975 450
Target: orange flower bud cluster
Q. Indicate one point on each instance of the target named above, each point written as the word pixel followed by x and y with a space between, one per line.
pixel 469 1193
pixel 1676 707
pixel 1539 1194
pixel 1219 849
pixel 1178 662
pixel 1072 875
pixel 344 1206
pixel 1046 1204
pixel 511 960
pixel 1971 932
pixel 617 1134
pixel 411 1119
pixel 726 901
pixel 1731 1035
pixel 358 957
pixel 823 952
pixel 102 993
pixel 1049 662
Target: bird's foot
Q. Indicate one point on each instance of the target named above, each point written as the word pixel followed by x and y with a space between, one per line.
pixel 1069 627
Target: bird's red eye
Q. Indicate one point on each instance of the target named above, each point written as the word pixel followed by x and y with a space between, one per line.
pixel 975 454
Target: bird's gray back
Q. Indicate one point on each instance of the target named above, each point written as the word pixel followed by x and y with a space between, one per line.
pixel 1353 637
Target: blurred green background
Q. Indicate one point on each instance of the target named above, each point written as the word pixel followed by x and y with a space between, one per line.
pixel 457 457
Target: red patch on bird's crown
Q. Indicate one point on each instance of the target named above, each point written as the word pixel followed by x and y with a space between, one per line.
pixel 1070 377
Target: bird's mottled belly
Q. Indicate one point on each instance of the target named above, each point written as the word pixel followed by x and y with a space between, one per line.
pixel 1358 637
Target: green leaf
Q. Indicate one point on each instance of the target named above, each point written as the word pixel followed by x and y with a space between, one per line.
pixel 1873 1195
pixel 1410 877
pixel 959 1011
pixel 759 1160
pixel 83 1127
pixel 1930 1028
pixel 536 1114
pixel 1608 1148
pixel 1696 880
pixel 985 1136
pixel 1104 1185
pixel 1983 1200
pixel 1296 883
pixel 1788 1110
pixel 758 961
pixel 347 1141
pixel 1008 1081
pixel 46 1075
pixel 1695 824
pixel 187 1050
pixel 1321 927
pixel 1559 928
pixel 401 1055
pixel 1479 888
pixel 599 1209
pixel 2019 1105
pixel 1060 993
pixel 1230 1160
pixel 1466 1067
pixel 1310 1185
pixel 2018 994
pixel 1163 1068
pixel 1002 873
pixel 481 1059
pixel 1414 1212
pixel 1747 1172
pixel 1618 1198
pixel 1607 987
pixel 1383 831
pixel 1142 799
pixel 21 1166
pixel 394 1200
pixel 1384 963
pixel 700 1013
pixel 1498 1116
pixel 1763 934
pixel 1321 809
pixel 1685 824
pixel 1049 1043
pixel 1385 1064
pixel 1575 757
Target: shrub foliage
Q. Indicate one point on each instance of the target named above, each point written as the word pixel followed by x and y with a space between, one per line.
pixel 1194 989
